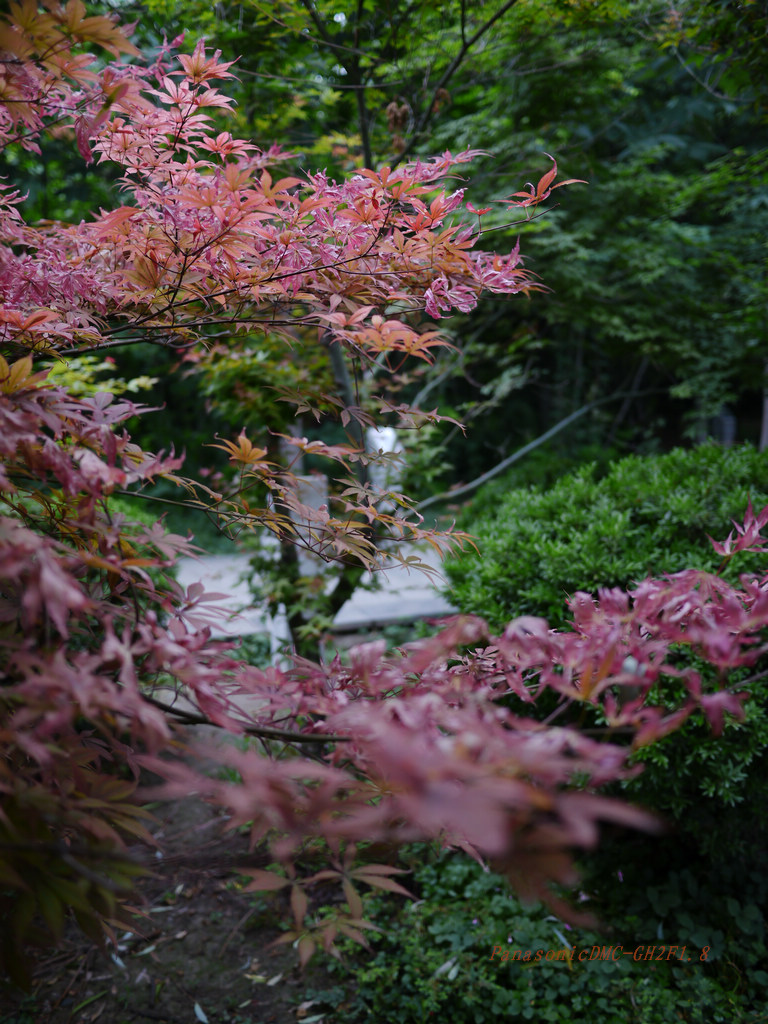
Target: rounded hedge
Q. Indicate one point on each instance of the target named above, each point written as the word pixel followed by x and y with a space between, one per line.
pixel 648 515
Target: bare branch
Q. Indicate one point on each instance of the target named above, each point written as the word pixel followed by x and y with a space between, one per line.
pixel 262 731
pixel 522 452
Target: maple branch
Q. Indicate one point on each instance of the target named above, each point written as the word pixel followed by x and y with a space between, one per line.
pixel 172 306
pixel 262 731
pixel 167 342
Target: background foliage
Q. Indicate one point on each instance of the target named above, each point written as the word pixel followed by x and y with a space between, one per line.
pixel 656 272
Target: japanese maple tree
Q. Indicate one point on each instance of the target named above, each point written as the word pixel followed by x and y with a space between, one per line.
pixel 98 639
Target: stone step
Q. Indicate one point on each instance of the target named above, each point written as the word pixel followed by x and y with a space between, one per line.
pixel 403 595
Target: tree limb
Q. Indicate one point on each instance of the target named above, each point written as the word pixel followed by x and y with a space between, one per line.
pixel 521 452
pixel 262 731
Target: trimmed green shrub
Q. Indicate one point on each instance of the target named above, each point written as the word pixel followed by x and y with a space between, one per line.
pixel 705 879
pixel 648 515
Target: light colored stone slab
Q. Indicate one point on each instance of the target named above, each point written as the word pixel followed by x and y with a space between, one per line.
pixel 403 595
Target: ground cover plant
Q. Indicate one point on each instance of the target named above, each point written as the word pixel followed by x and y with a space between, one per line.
pixel 468 950
pixel 104 658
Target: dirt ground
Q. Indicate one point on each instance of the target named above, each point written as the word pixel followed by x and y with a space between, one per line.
pixel 201 950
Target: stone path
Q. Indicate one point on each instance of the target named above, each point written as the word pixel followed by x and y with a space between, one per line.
pixel 403 596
